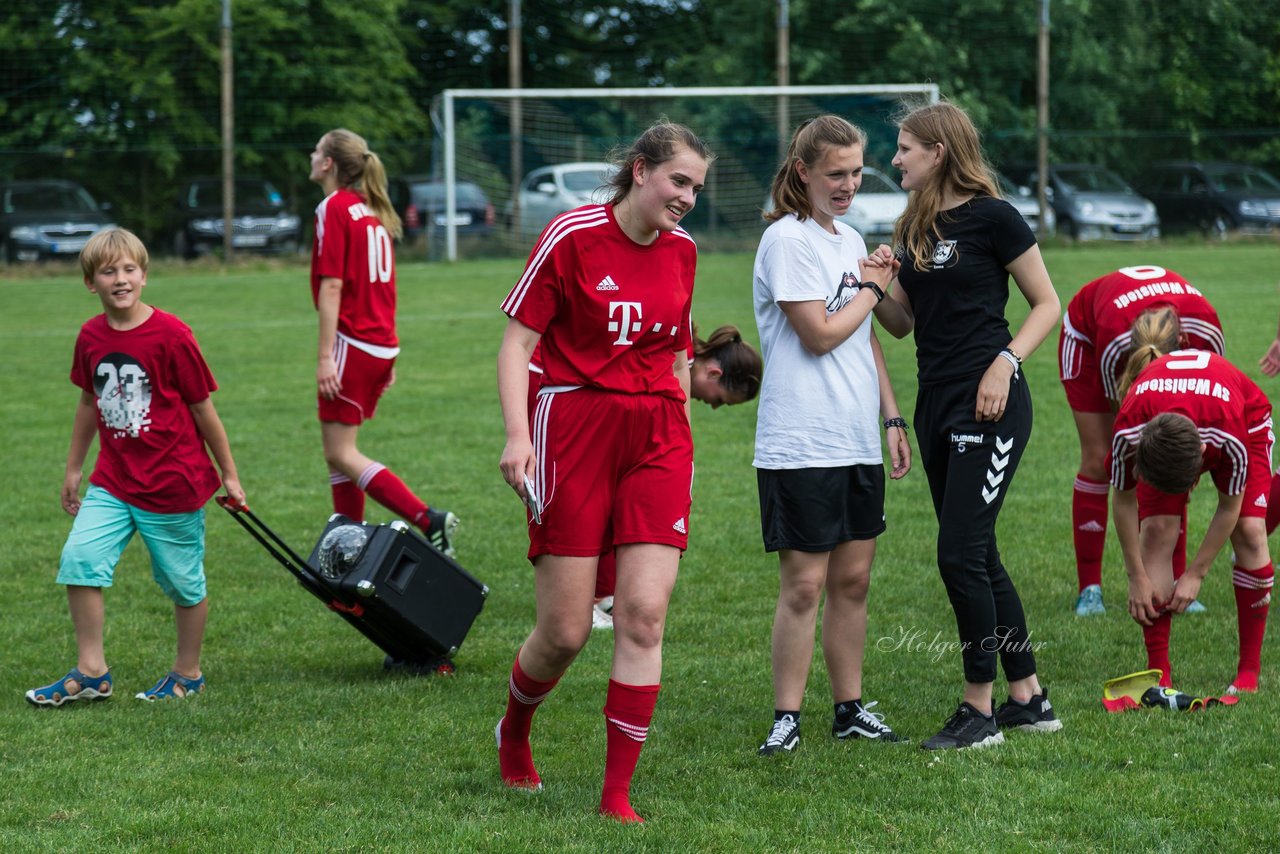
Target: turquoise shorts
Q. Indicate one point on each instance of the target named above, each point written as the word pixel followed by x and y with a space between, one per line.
pixel 104 526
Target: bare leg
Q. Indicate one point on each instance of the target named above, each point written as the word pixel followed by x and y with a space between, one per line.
pixel 191 621
pixel 844 617
pixel 802 578
pixel 87 616
pixel 646 576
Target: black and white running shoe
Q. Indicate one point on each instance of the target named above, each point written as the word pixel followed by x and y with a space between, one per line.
pixel 967 728
pixel 441 529
pixel 785 735
pixel 1035 716
pixel 861 722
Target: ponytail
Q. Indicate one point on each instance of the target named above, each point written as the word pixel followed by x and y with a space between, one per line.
pixel 360 169
pixel 1155 333
pixel 740 364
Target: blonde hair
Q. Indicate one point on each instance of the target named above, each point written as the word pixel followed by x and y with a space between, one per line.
pixel 110 245
pixel 1155 332
pixel 655 146
pixel 964 170
pixel 740 364
pixel 359 169
pixel 808 145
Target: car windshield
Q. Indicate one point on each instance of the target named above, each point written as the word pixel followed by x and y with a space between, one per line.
pixel 1092 181
pixel 1235 180
pixel 876 183
pixel 206 194
pixel 433 194
pixel 584 180
pixel 49 198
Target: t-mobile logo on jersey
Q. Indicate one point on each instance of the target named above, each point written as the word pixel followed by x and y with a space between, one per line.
pixel 627 324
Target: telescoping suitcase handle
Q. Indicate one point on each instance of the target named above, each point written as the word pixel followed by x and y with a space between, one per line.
pixel 275 546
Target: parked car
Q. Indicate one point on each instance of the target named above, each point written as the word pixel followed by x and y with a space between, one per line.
pixel 875 208
pixel 1215 197
pixel 47 219
pixel 1026 203
pixel 262 223
pixel 544 193
pixel 1093 203
pixel 420 201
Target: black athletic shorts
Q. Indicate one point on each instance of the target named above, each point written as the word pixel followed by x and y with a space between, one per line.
pixel 815 510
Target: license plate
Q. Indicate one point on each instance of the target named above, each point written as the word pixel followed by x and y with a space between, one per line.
pixel 249 240
pixel 66 247
pixel 458 219
pixel 1129 229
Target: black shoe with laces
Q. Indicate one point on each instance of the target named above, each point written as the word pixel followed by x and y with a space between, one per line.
pixel 860 722
pixel 1035 716
pixel 966 728
pixel 785 736
pixel 440 528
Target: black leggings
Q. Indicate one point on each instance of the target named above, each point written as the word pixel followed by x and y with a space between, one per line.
pixel 970 466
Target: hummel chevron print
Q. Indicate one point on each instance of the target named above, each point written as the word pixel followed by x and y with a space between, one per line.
pixel 995 474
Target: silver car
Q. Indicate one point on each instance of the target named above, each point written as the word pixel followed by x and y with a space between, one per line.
pixel 552 190
pixel 1093 203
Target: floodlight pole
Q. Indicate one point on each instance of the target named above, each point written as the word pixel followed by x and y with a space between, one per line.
pixel 1042 117
pixel 228 137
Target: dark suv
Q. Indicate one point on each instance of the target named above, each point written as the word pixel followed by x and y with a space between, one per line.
pixel 262 222
pixel 1216 197
pixel 47 219
pixel 420 201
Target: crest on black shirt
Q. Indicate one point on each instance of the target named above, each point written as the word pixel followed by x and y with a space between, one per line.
pixel 944 253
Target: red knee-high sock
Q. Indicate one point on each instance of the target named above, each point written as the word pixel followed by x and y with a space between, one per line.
pixel 1273 504
pixel 1253 601
pixel 348 499
pixel 606 575
pixel 388 490
pixel 628 709
pixel 1156 637
pixel 515 758
pixel 1089 521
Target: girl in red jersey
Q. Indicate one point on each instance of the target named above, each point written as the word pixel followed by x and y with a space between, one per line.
pixel 1093 349
pixel 353 285
pixel 1185 413
pixel 724 370
pixel 607 293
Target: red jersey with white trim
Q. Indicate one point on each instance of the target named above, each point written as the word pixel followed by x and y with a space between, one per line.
pixel 1102 313
pixel 353 245
pixel 1225 405
pixel 144 381
pixel 612 313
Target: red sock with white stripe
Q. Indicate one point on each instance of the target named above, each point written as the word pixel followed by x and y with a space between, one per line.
pixel 1089 527
pixel 1156 637
pixel 515 757
pixel 388 490
pixel 1253 601
pixel 348 499
pixel 628 710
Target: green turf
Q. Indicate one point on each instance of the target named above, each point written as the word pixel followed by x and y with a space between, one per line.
pixel 303 743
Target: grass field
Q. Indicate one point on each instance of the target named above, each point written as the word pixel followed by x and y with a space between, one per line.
pixel 302 742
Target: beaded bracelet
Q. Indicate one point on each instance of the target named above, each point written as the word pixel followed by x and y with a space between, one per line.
pixel 896 422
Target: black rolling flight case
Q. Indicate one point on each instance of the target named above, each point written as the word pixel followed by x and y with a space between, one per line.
pixel 414 602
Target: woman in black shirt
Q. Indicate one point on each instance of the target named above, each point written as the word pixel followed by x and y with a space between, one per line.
pixel 957 244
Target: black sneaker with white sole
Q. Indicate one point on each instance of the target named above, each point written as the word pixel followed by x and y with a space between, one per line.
pixel 1036 715
pixel 858 721
pixel 440 530
pixel 967 728
pixel 785 736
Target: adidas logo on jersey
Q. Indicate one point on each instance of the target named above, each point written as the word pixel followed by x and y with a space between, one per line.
pixel 1261 500
pixel 1092 527
pixel 607 284
pixel 679 526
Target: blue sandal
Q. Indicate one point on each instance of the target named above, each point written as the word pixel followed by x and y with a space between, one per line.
pixel 91 688
pixel 168 687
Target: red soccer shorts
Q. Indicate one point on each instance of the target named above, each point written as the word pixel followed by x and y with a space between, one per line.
pixel 363 378
pixel 1078 369
pixel 612 469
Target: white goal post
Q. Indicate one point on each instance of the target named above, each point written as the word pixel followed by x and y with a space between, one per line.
pixel 491 137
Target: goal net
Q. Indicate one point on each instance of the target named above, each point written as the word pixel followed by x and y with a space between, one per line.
pixel 507 142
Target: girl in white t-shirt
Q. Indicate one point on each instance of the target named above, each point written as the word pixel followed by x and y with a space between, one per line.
pixel 819 462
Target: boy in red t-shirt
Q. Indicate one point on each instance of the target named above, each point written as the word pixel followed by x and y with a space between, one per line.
pixel 145 386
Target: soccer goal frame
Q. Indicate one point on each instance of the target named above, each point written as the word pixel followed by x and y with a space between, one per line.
pixel 445 107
